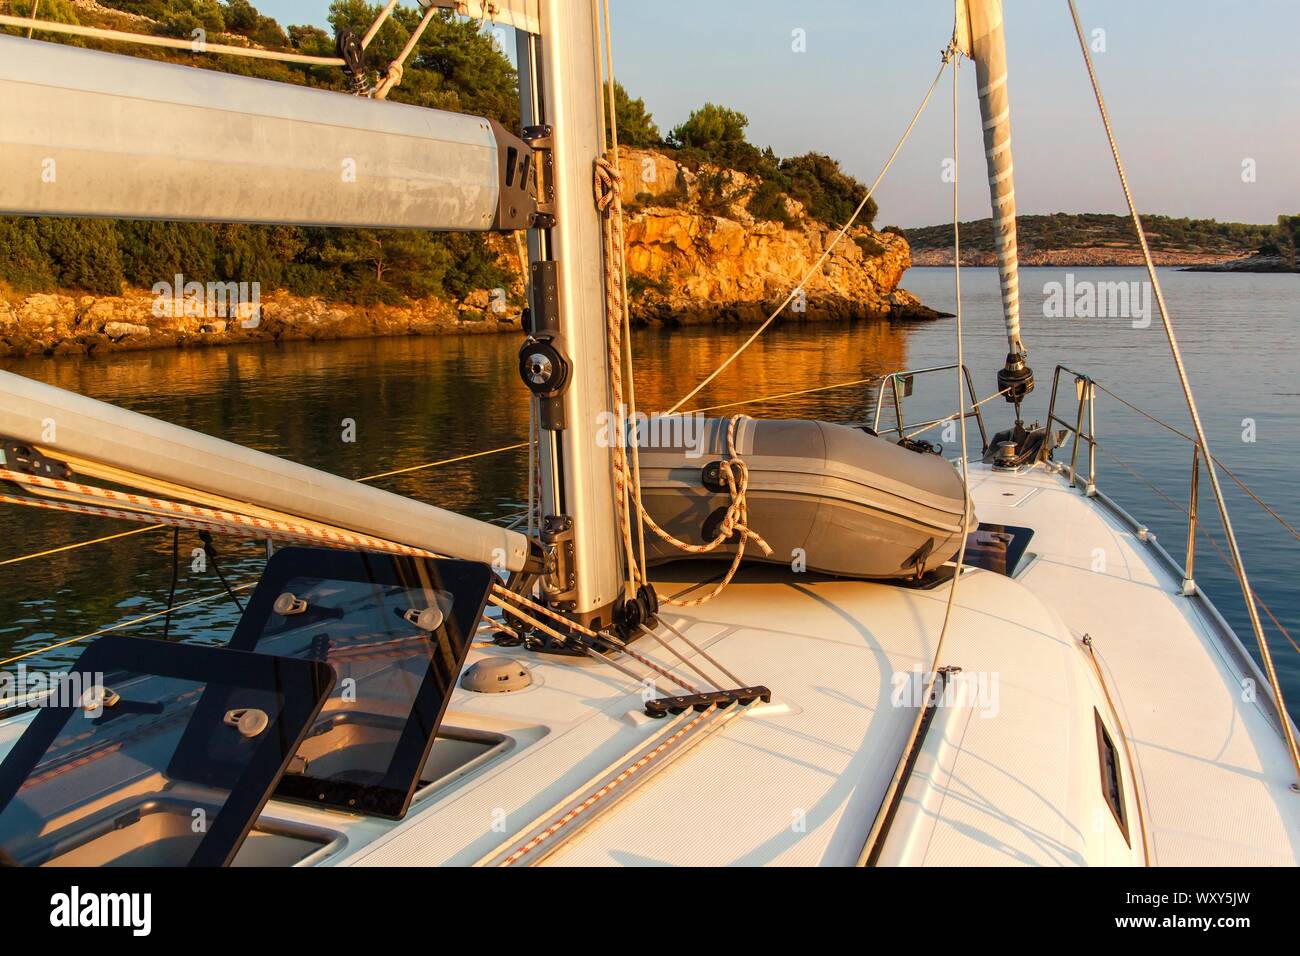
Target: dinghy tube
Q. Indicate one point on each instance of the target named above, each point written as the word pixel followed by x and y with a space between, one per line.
pixel 831 498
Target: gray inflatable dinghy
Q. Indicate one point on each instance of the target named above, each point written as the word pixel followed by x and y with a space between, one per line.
pixel 846 502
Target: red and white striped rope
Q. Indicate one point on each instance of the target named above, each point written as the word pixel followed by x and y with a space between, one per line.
pixel 180 514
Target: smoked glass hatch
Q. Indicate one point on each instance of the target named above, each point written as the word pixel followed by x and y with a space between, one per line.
pixel 396 631
pixel 154 754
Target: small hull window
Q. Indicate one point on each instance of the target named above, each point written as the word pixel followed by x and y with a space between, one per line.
pixel 1112 780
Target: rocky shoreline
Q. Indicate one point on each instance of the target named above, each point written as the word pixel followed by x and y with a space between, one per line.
pixel 1255 263
pixel 695 255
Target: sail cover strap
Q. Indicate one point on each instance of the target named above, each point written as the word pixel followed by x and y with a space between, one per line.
pixel 979 36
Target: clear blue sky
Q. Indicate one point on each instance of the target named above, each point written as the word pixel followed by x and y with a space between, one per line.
pixel 1194 88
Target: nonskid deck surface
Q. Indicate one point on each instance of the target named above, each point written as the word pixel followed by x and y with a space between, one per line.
pixel 1013 778
pixel 800 781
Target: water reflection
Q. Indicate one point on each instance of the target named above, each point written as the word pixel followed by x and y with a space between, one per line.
pixel 420 399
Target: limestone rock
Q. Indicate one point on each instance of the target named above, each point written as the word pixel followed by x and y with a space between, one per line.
pixel 694 252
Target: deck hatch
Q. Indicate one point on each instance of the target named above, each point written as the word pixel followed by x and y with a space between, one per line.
pixel 999 548
pixel 171 770
pixel 396 630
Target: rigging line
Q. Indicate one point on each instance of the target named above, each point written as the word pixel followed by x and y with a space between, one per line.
pixel 145 508
pixel 803 391
pixel 501 592
pixel 1226 470
pixel 239 528
pixel 1202 530
pixel 1220 501
pixel 144 39
pixel 398 67
pixel 736 681
pixel 873 838
pixel 80 544
pixel 953 417
pixel 546 629
pixel 154 527
pixel 608 184
pixel 210 550
pixel 444 461
pixel 130 623
pixel 826 252
pixel 713 681
pixel 171 593
pixel 379 22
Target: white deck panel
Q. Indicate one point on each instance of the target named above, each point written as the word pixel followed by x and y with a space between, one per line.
pixel 1213 769
pixel 829 764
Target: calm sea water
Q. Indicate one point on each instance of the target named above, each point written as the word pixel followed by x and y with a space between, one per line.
pixel 417 400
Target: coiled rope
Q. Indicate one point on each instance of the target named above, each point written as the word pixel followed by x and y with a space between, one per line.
pixel 735 521
pixel 607 184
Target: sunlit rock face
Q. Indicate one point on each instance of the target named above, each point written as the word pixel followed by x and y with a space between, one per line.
pixel 693 258
pixel 695 254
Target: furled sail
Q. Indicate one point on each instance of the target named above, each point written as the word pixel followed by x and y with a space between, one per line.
pixel 979 36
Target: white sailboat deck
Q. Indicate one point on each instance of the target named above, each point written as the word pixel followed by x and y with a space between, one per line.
pixel 1009 772
pixel 1011 776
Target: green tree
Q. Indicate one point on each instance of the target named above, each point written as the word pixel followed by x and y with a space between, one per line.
pixel 24 262
pixel 383 265
pixel 829 194
pixel 83 252
pixel 636 127
pixel 156 251
pixel 1287 239
pixel 456 65
pixel 709 128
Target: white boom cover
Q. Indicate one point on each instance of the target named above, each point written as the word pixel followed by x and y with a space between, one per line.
pixel 35 413
pixel 86 133
pixel 979 36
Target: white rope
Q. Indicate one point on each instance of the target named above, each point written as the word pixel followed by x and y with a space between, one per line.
pixel 398 66
pixel 1238 565
pixel 379 22
pixel 896 779
pixel 190 46
pixel 816 266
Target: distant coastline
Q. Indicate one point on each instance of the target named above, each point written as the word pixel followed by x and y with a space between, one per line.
pixel 1089 257
pixel 1097 239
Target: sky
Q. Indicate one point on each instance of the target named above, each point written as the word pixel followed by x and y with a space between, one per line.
pixel 1201 94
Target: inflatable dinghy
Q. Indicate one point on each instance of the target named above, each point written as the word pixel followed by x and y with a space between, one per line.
pixel 837 499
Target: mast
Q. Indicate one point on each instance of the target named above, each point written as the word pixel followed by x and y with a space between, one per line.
pixel 83 139
pixel 979 35
pixel 565 359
